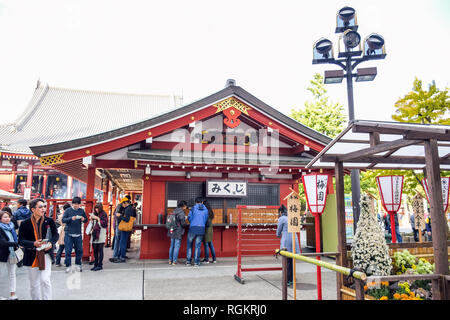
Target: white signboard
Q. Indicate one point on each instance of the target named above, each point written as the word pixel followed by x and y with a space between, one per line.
pixel 226 189
pixel 390 188
pixel 315 186
pixel 445 190
pixel 27 194
pixel 172 203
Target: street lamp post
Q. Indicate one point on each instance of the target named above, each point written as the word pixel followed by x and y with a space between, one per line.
pixel 350 54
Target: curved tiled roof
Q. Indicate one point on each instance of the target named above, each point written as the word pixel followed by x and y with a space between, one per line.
pixel 56 115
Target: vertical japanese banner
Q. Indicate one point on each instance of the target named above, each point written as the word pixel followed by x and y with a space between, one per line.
pixel 419 215
pixel 391 189
pixel 293 206
pixel 316 188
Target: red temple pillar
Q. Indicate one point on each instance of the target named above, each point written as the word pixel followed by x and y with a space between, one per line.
pixel 13 174
pixel 29 183
pixel 146 192
pixel 69 187
pixel 89 208
pixel 44 185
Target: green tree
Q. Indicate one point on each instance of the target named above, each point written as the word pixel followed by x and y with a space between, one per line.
pixel 424 106
pixel 321 114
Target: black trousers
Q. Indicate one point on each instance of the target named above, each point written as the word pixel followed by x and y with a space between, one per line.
pixel 98 254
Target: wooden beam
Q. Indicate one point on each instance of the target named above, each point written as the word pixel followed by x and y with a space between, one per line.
pixel 438 221
pixel 397 128
pixel 381 159
pixel 387 146
pixel 426 136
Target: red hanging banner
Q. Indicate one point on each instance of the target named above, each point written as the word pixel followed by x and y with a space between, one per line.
pixel 391 189
pixel 316 189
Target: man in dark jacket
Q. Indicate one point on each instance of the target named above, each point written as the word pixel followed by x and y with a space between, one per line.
pixel 37 235
pixel 176 233
pixel 22 213
pixel 197 219
pixel 73 218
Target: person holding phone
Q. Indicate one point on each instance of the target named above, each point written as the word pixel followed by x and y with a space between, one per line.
pixel 33 234
pixel 73 218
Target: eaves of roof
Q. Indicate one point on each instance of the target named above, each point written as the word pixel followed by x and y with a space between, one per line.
pixel 153 121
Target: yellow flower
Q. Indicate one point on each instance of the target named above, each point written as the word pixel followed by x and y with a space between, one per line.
pixel 399 273
pixel 396 296
pixel 383 298
pixel 365 288
pixel 407 290
pixel 404 296
pixel 414 266
pixel 385 283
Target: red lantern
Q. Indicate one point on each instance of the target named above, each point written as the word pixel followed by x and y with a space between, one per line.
pixel 316 189
pixel 391 189
pixel 445 191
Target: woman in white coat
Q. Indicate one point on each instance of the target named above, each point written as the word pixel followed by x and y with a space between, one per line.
pixel 286 240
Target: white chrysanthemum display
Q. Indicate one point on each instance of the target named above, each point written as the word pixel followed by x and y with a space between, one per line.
pixel 370 252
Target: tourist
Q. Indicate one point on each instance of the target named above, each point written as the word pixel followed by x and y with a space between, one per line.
pixel 428 227
pixel 198 216
pixel 13 219
pixel 120 210
pixel 286 240
pixel 8 245
pixel 123 234
pixel 208 240
pixel 33 234
pixel 22 213
pixel 98 235
pixel 61 235
pixel 73 218
pixel 413 227
pixel 175 223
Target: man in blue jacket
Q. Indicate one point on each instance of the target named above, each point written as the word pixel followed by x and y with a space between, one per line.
pixel 73 218
pixel 197 219
pixel 22 213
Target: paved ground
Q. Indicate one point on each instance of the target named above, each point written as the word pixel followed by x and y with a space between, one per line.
pixel 156 280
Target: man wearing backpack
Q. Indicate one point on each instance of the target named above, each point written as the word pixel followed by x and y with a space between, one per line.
pixel 197 219
pixel 175 224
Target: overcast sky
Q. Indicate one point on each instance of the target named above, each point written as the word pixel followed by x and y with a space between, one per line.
pixel 192 48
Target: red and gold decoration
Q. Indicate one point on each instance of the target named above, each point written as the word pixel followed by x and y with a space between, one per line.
pixel 232 108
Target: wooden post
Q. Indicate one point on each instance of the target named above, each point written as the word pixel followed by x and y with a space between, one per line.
pixel 359 289
pixel 284 277
pixel 294 279
pixel 342 239
pixel 438 219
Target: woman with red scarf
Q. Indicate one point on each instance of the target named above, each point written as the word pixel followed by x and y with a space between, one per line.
pixel 37 235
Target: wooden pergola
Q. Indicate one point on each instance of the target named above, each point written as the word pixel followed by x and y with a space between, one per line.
pixel 393 145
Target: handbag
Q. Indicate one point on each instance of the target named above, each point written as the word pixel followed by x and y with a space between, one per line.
pixel 19 254
pixel 127 226
pixel 89 228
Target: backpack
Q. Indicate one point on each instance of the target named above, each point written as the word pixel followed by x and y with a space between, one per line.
pixel 171 221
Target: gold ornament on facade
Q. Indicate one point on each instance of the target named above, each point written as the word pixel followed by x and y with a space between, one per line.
pixel 53 159
pixel 232 103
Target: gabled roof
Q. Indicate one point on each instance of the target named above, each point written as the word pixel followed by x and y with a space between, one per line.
pixel 157 118
pixel 57 115
pixel 393 145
